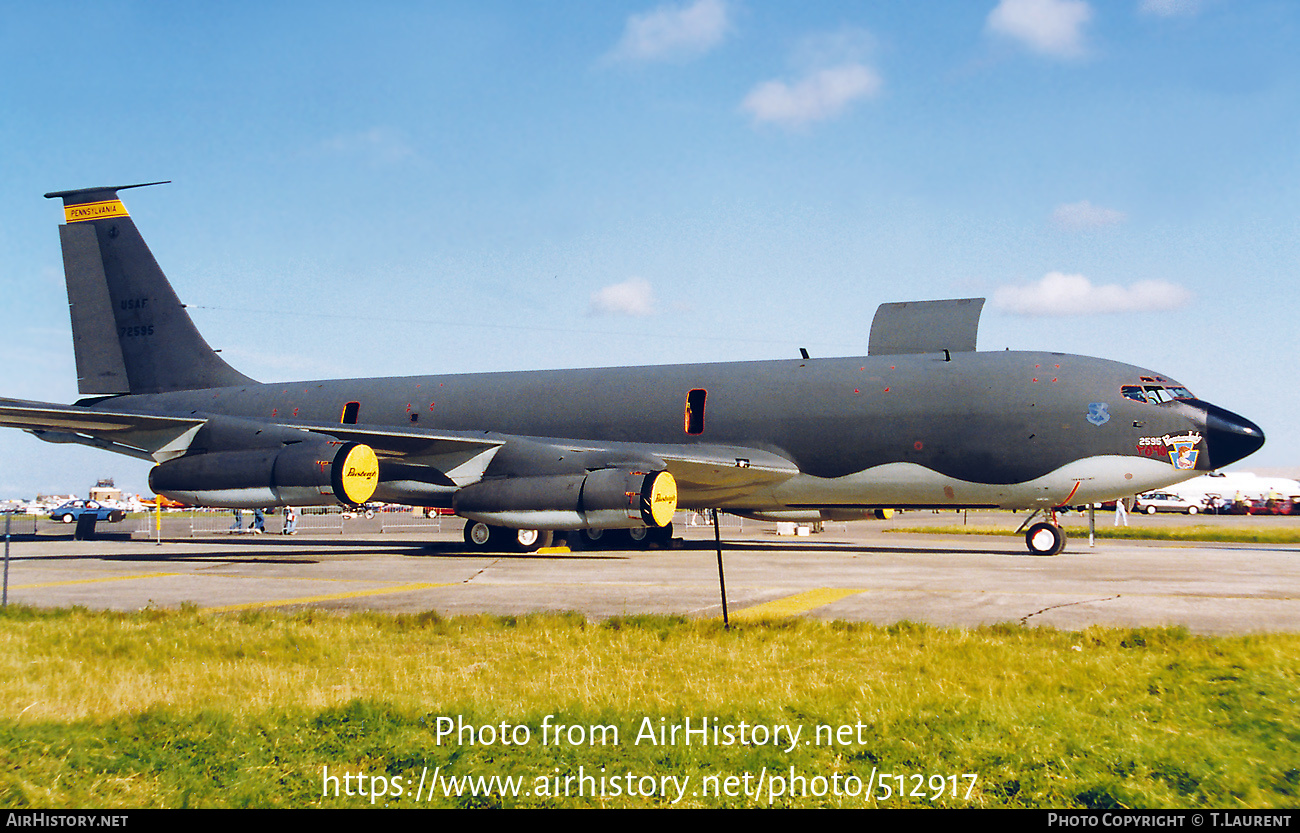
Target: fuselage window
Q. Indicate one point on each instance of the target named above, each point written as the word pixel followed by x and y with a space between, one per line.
pixel 350 413
pixel 695 411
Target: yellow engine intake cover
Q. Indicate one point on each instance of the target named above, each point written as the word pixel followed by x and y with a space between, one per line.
pixel 358 474
pixel 663 499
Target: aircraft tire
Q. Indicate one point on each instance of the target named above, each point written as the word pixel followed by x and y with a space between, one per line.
pixel 480 536
pixel 529 540
pixel 592 539
pixel 662 536
pixel 639 537
pixel 1045 539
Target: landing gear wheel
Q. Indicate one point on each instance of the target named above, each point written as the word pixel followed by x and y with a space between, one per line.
pixel 530 540
pixel 591 539
pixel 1045 539
pixel 662 536
pixel 639 536
pixel 479 535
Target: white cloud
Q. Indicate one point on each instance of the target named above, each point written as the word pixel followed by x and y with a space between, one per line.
pixel 1060 294
pixel 1085 215
pixel 631 297
pixel 819 95
pixel 673 32
pixel 1170 8
pixel 1051 27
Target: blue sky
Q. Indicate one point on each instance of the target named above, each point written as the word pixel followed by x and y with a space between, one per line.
pixel 396 188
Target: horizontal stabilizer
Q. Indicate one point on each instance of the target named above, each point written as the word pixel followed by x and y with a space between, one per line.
pixel 33 416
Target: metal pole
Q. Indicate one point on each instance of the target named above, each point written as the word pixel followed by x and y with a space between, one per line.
pixel 1092 524
pixel 722 583
pixel 4 600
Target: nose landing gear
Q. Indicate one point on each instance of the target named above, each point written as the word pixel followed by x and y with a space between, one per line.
pixel 1045 538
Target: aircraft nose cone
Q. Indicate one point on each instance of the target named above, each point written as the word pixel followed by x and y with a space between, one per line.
pixel 1229 437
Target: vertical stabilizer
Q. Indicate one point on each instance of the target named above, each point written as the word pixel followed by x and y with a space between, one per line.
pixel 914 327
pixel 130 332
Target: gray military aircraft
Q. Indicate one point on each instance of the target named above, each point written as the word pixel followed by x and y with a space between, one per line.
pixel 923 421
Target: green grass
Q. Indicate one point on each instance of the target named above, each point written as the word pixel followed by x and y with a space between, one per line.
pixel 173 709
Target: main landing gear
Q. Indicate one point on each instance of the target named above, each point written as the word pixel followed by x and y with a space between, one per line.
pixel 639 538
pixel 480 536
pixel 485 538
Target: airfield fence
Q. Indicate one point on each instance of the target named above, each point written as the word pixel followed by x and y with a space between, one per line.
pixel 314 520
pixel 21 524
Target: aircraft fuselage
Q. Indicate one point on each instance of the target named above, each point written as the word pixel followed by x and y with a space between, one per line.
pixel 965 429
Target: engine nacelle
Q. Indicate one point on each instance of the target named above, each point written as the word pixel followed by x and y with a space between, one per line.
pixel 602 499
pixel 808 515
pixel 301 474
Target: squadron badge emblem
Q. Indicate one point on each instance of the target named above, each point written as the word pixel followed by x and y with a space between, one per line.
pixel 1098 413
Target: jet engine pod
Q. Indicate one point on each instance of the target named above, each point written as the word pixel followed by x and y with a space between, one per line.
pixel 602 499
pixel 301 474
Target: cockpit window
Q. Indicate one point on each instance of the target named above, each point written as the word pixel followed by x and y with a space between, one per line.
pixel 1157 395
pixel 1153 393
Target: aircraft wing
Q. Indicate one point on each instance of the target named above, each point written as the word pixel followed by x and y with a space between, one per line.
pixel 706 473
pixel 441 459
pixel 703 473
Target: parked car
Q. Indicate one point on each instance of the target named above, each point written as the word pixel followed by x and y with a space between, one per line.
pixel 74 509
pixel 1274 506
pixel 1153 502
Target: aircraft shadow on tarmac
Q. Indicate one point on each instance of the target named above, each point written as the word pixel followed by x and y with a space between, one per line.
pixel 839 547
pixel 293 549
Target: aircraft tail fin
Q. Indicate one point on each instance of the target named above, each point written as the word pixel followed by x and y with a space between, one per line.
pixel 915 327
pixel 130 332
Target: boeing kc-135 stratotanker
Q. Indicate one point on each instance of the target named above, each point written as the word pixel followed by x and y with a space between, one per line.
pixel 923 421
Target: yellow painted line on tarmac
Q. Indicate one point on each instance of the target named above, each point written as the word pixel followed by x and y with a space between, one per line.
pixel 90 580
pixel 798 603
pixel 329 597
